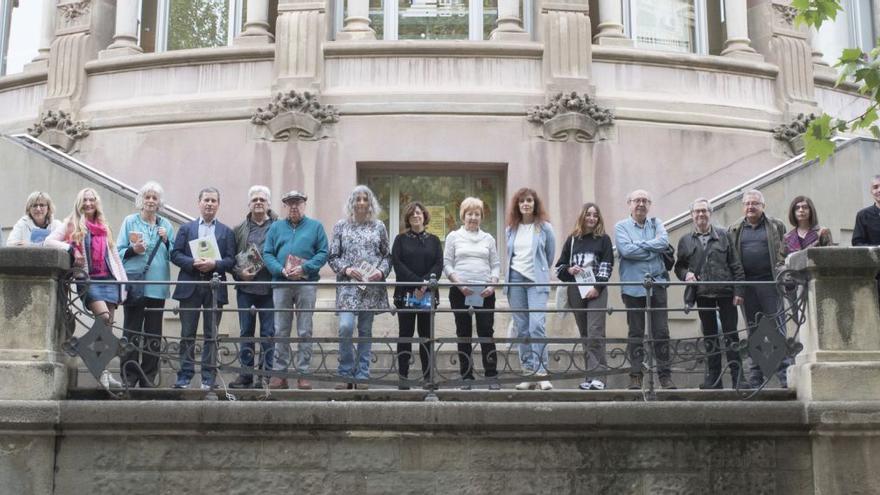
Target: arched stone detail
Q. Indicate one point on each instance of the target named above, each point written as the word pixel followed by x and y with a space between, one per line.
pixel 570 117
pixel 295 114
pixel 59 130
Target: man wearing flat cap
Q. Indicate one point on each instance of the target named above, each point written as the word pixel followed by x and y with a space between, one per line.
pixel 295 250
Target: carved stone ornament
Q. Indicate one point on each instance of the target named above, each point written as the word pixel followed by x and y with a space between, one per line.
pixel 295 114
pixel 569 116
pixel 71 11
pixel 793 132
pixel 58 130
pixel 784 14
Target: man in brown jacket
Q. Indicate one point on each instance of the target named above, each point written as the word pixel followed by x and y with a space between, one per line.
pixel 757 239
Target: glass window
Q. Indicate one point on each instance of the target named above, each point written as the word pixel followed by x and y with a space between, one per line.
pixel 181 24
pixel 441 194
pixel 664 25
pixel 197 24
pixel 853 27
pixel 431 19
pixel 21 23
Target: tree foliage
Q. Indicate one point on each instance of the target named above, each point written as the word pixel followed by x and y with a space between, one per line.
pixel 197 23
pixel 861 68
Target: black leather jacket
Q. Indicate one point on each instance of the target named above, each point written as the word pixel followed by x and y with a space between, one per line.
pixel 722 263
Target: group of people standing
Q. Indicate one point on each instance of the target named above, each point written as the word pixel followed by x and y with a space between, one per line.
pixel 266 248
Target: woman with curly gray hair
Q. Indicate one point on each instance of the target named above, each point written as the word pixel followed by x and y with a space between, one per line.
pixel 144 243
pixel 359 252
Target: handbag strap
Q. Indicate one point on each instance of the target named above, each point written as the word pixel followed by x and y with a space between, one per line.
pixel 152 254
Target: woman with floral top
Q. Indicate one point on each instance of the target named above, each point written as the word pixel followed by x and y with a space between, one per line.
pixel 587 254
pixel 359 253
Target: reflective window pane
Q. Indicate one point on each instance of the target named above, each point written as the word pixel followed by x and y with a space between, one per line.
pixel 432 19
pixel 197 24
pixel 149 8
pixel 664 25
pixel 377 18
pixel 490 16
pixel 24 34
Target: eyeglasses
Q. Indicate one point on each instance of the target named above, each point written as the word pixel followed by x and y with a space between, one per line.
pixel 258 200
pixel 640 201
pixel 802 207
pixel 752 203
pixel 39 205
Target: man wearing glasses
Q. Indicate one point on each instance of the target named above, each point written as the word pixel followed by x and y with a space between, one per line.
pixel 757 239
pixel 249 238
pixel 640 243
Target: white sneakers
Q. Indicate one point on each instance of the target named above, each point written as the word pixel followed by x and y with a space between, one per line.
pixel 592 385
pixel 542 385
pixel 545 385
pixel 107 380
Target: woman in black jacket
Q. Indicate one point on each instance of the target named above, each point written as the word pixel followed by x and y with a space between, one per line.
pixel 416 255
pixel 587 256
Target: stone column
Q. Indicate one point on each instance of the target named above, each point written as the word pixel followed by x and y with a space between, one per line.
pixel 841 356
pixel 300 33
pixel 256 29
pixel 611 25
pixel 32 366
pixel 357 22
pixel 774 35
pixel 47 33
pixel 125 41
pixel 568 53
pixel 509 25
pixel 738 43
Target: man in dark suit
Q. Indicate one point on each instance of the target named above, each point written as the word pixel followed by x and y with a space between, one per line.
pixel 195 297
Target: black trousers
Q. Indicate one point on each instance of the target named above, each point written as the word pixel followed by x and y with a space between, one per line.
pixel 464 329
pixel 726 311
pixel 764 299
pixel 143 329
pixel 407 322
pixel 635 320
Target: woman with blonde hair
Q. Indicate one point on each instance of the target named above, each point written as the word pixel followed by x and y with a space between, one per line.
pixel 587 255
pixel 470 261
pixel 87 237
pixel 36 224
pixel 530 249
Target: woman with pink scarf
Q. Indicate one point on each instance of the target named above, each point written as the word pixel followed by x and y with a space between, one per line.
pixel 87 237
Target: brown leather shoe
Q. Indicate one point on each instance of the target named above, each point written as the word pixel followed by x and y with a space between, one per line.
pixel 303 384
pixel 277 383
pixel 343 386
pixel 666 382
pixel 635 382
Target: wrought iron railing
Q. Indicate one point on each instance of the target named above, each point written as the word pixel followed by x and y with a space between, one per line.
pixel 770 342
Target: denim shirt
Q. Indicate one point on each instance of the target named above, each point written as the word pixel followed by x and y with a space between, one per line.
pixel 543 250
pixel 639 247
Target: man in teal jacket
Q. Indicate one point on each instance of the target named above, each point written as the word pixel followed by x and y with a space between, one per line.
pixel 295 250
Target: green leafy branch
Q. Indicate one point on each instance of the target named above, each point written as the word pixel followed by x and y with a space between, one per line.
pixel 855 65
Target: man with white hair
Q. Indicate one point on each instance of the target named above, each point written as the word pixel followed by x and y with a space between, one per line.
pixel 250 236
pixel 758 239
pixel 641 242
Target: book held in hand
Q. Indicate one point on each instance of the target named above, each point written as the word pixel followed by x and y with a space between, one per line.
pixel 585 280
pixel 292 262
pixel 475 299
pixel 366 269
pixel 249 261
pixel 206 248
pixel 135 237
pixel 38 236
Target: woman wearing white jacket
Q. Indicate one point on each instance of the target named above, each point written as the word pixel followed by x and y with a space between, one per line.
pixel 36 224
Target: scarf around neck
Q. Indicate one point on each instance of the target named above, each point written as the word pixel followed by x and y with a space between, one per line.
pixel 99 246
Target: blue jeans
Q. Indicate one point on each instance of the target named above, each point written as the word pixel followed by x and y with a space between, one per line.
pixel 533 357
pixel 347 361
pixel 290 297
pixel 248 323
pixel 189 322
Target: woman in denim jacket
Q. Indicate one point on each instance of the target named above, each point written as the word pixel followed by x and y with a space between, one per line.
pixel 530 249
